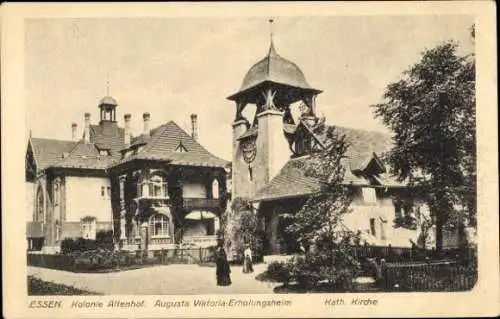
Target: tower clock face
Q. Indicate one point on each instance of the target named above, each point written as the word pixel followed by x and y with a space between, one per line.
pixel 249 150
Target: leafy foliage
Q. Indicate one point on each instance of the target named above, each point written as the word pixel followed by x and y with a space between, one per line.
pixel 246 229
pixel 104 240
pixel 431 111
pixel 320 220
pixel 38 287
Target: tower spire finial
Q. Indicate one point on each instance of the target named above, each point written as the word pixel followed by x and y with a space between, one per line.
pixel 271 28
pixel 107 85
pixel 272 50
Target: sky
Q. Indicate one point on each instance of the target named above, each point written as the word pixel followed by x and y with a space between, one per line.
pixel 172 67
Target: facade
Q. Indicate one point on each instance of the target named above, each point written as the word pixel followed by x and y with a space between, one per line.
pixel 271 151
pixel 152 191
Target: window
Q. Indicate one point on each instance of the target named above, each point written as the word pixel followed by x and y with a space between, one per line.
pixel 108 191
pixel 158 225
pixel 58 230
pixel 382 229
pixel 122 187
pixel 103 191
pixel 215 189
pixel 397 209
pixel 56 192
pixel 40 206
pixel 369 195
pixel 372 227
pixel 158 187
pixel 104 152
pixel 88 227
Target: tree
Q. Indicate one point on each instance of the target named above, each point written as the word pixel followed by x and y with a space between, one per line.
pixel 246 227
pixel 431 111
pixel 319 220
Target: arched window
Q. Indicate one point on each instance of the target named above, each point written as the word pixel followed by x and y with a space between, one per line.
pixel 57 187
pixel 40 206
pixel 158 225
pixel 122 187
pixel 58 230
pixel 215 189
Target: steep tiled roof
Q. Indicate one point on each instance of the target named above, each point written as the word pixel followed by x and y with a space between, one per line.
pixel 292 181
pixel 362 144
pixel 108 135
pixel 85 156
pixel 163 142
pixel 274 68
pixel 49 151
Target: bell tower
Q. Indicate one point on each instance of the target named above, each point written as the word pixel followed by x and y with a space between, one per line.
pixel 260 147
pixel 108 110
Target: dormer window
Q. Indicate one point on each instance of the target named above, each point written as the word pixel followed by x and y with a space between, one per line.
pixel 138 149
pixel 104 152
pixel 180 148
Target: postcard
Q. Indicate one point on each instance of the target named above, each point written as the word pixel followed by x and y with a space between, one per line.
pixel 267 159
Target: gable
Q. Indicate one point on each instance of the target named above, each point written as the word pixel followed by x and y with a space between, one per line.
pixel 170 143
pixel 30 164
pixel 47 152
pixel 363 146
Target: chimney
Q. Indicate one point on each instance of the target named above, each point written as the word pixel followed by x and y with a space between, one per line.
pixel 73 131
pixel 146 117
pixel 86 134
pixel 194 127
pixel 126 137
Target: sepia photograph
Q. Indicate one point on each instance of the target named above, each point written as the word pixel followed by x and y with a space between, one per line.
pixel 272 155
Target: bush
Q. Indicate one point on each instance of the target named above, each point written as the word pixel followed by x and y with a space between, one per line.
pixel 306 273
pixel 96 259
pixel 246 230
pixel 104 240
pixel 38 287
pixel 279 271
pixel 71 245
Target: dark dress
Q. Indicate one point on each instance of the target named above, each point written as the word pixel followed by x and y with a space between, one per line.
pixel 223 270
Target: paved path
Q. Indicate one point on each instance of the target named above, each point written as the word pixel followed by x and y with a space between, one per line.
pixel 159 280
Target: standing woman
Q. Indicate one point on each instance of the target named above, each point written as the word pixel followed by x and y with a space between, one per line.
pixel 222 266
pixel 247 261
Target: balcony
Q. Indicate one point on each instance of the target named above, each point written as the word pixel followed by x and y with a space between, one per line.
pixel 201 203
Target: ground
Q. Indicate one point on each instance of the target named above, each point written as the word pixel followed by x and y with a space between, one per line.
pixel 159 280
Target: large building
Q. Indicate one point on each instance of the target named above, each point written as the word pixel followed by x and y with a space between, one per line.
pixel 271 151
pixel 162 187
pixel 153 190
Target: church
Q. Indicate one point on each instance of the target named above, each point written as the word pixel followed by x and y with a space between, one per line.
pixel 271 150
pixel 152 191
pixel 162 187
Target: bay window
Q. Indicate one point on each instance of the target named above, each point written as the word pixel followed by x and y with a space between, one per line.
pixel 159 226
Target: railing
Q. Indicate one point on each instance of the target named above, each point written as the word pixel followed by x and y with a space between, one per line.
pixel 436 276
pixel 184 256
pixel 404 254
pixel 201 203
pixel 201 240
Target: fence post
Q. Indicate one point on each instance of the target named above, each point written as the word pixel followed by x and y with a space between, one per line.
pixel 201 257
